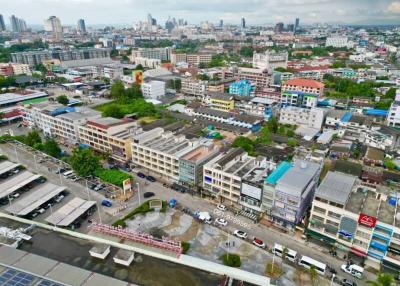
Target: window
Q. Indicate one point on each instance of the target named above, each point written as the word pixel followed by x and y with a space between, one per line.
pixel 334 215
pixel 319 210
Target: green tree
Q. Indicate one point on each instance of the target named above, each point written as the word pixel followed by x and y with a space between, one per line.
pixel 41 68
pixel 383 279
pixel 117 90
pixel 50 147
pixel 313 274
pixel 134 92
pixel 292 142
pixel 246 51
pixel 390 164
pixel 273 125
pixel 84 162
pixel 391 93
pixel 1 115
pixel 246 143
pixel 62 99
pixel 280 69
pixel 338 64
pixel 139 67
pixel 125 58
pixel 33 138
pixel 114 53
pixel 113 110
pixel 264 138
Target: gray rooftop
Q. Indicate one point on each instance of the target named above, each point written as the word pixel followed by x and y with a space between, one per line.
pixel 336 187
pixel 9 186
pixel 7 166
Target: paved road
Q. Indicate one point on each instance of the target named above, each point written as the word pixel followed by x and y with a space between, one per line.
pixel 267 234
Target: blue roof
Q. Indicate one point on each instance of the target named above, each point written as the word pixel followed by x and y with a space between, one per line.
pixel 376 112
pixel 278 172
pixel 346 117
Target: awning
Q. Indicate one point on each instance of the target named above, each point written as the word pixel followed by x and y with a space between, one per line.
pixel 320 236
pixel 358 252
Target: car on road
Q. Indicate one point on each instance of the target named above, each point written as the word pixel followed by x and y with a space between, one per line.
pixel 141 175
pixel 16 171
pixel 221 207
pixel 346 282
pixel 33 215
pixel 240 234
pixel 258 242
pixel 106 203
pixel 148 195
pixel 221 221
pixel 353 269
pixel 150 179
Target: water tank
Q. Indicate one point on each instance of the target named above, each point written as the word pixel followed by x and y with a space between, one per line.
pixel 392 201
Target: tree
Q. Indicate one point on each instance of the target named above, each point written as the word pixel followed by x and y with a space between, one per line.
pixel 338 64
pixel 390 164
pixel 139 67
pixel 114 53
pixel 383 279
pixel 84 162
pixel 391 93
pixel 62 99
pixel 117 90
pixel 134 92
pixel 264 136
pixel 292 142
pixel 246 143
pixel 1 115
pixel 50 147
pixel 33 138
pixel 246 51
pixel 280 69
pixel 313 274
pixel 113 110
pixel 273 125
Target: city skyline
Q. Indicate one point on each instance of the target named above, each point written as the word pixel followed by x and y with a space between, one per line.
pixel 257 13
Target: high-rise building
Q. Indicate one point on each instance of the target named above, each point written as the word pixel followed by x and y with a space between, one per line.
pixel 149 19
pixel 2 24
pixel 243 23
pixel 22 25
pixel 53 25
pixel 290 28
pixel 278 28
pixel 14 23
pixel 221 23
pixel 296 24
pixel 81 26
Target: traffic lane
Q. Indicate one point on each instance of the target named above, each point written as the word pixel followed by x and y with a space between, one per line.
pixel 268 235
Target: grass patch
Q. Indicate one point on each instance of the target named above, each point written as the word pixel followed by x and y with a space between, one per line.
pixel 231 259
pixel 138 106
pixel 112 176
pixel 273 270
pixel 142 209
pixel 185 246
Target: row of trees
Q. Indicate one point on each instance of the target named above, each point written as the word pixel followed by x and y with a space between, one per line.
pixel 122 95
pixel 48 146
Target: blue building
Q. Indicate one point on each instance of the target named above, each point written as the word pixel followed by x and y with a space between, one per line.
pixel 242 87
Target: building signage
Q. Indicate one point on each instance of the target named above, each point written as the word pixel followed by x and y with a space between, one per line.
pixel 127 185
pixel 252 191
pixel 345 233
pixel 366 220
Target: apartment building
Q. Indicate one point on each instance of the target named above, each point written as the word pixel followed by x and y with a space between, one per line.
pixel 336 42
pixel 221 101
pixel 393 118
pixel 154 89
pixel 193 87
pixel 312 118
pixel 361 221
pixel 302 92
pixel 293 193
pixel 159 151
pixel 270 60
pixel 162 54
pixel 242 88
pixel 147 63
pixel 191 164
pixel 192 59
pixel 110 136
pixel 259 77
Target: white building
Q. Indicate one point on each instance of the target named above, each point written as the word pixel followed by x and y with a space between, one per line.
pixel 194 87
pixel 147 63
pixel 313 118
pixel 19 69
pixel 270 60
pixel 153 89
pixel 336 41
pixel 393 118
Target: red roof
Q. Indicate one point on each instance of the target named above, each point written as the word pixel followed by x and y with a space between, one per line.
pixel 305 82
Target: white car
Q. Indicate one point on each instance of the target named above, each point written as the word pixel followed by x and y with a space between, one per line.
pixel 221 208
pixel 221 221
pixel 240 234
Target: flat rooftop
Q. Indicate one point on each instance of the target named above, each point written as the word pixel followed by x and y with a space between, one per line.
pixel 200 153
pixel 7 166
pixel 21 268
pixel 17 181
pixel 336 187
pixel 34 199
pixel 70 212
pixel 280 170
pixel 10 98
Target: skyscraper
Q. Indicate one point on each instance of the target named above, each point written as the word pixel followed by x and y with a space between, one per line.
pixel 81 26
pixel 278 28
pixel 53 25
pixel 243 23
pixel 14 23
pixel 22 25
pixel 2 24
pixel 297 24
pixel 221 23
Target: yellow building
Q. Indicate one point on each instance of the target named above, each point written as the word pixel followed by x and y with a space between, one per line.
pixel 221 101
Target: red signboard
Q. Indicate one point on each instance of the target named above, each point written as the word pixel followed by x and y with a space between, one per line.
pixel 367 220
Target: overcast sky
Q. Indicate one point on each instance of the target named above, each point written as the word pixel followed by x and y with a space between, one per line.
pixel 195 11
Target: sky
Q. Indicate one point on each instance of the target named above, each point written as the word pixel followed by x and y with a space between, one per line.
pixel 195 11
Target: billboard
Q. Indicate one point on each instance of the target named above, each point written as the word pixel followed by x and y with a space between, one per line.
pixel 251 191
pixel 126 185
pixel 137 76
pixel 366 220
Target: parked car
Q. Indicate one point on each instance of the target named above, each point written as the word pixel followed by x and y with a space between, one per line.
pixel 33 215
pixel 221 207
pixel 346 282
pixel 41 210
pixel 221 221
pixel 15 195
pixel 141 175
pixel 99 187
pixel 240 234
pixel 106 203
pixel 151 179
pixel 16 171
pixel 258 242
pixel 59 198
pixel 148 195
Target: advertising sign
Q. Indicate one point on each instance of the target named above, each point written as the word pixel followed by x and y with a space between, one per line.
pixel 138 76
pixel 251 191
pixel 126 185
pixel 366 220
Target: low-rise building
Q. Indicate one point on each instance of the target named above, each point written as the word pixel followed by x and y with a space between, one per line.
pixel 270 60
pixel 221 101
pixel 153 89
pixel 193 87
pixel 302 92
pixel 259 77
pixel 313 118
pixel 393 118
pixel 242 88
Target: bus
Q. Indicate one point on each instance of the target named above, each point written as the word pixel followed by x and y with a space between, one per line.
pixel 67 173
pixel 278 250
pixel 307 262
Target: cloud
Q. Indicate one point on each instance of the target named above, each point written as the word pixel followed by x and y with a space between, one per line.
pixel 394 7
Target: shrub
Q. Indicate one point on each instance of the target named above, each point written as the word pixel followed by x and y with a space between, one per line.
pixel 112 176
pixel 185 246
pixel 231 259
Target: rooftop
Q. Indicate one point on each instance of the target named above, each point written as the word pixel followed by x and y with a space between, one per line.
pixel 282 168
pixel 305 82
pixel 336 187
pixel 200 153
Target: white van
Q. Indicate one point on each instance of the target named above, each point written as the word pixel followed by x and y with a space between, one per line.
pixel 308 262
pixel 353 269
pixel 68 173
pixel 291 255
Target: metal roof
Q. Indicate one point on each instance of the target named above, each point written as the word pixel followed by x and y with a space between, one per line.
pixel 71 211
pixel 17 181
pixel 34 199
pixel 7 166
pixel 336 187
